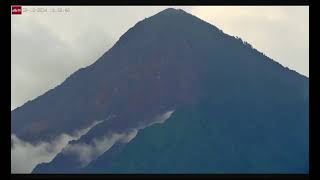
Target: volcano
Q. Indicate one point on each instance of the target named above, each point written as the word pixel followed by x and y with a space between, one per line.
pixel 175 94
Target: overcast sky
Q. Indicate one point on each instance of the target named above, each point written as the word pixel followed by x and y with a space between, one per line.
pixel 49 46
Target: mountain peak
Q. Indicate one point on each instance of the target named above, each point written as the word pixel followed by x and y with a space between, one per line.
pixel 168 23
pixel 171 10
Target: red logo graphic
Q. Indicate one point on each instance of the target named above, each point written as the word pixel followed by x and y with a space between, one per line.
pixel 16 9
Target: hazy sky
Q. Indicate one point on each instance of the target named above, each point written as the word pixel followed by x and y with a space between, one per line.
pixel 49 46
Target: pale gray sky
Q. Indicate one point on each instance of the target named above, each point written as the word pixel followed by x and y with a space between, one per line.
pixel 47 47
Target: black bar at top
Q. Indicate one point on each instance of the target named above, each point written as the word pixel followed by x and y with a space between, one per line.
pixel 159 2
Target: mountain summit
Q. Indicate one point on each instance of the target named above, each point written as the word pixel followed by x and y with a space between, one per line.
pixel 227 107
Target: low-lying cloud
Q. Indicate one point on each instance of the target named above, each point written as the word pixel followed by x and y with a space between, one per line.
pixel 88 152
pixel 163 117
pixel 25 156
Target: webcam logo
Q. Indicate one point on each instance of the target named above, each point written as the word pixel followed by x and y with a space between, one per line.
pixel 16 10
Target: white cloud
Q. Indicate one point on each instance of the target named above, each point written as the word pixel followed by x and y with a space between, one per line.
pixel 42 58
pixel 25 156
pixel 162 118
pixel 88 152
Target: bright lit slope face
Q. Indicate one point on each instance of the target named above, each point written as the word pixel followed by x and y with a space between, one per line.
pixel 236 110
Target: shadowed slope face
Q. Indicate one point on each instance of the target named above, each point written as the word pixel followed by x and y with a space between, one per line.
pixel 175 61
pixel 218 139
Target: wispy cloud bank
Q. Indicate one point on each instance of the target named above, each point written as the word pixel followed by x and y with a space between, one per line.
pixel 25 156
pixel 88 152
pixel 163 117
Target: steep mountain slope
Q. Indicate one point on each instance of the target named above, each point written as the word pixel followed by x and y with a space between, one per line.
pixel 236 110
pixel 219 138
pixel 112 86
